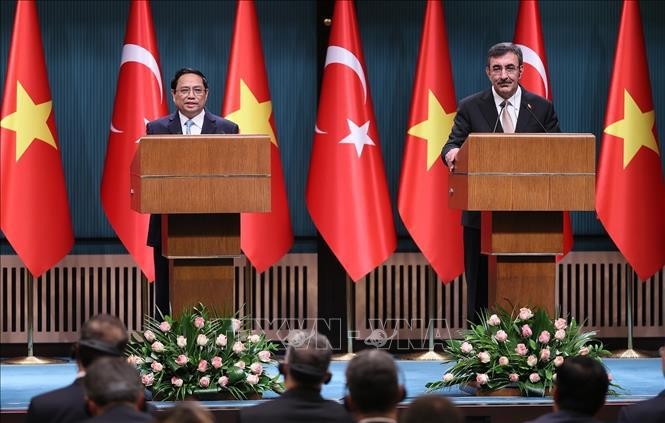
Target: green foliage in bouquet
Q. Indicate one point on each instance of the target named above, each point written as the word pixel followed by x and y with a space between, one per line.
pixel 198 355
pixel 521 349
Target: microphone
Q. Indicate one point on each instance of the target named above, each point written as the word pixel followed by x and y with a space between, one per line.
pixel 503 106
pixel 530 109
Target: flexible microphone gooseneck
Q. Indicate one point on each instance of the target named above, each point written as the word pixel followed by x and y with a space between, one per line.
pixel 530 110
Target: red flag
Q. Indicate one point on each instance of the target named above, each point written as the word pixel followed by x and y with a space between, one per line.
pixel 34 210
pixel 139 98
pixel 630 191
pixel 535 78
pixel 347 195
pixel 264 237
pixel 434 227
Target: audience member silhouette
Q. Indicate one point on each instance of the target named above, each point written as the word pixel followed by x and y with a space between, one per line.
pixel 649 411
pixel 432 409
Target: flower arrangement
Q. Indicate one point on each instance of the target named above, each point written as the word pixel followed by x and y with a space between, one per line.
pixel 516 350
pixel 196 355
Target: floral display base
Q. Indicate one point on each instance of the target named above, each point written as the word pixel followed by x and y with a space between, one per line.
pixel 207 395
pixel 503 392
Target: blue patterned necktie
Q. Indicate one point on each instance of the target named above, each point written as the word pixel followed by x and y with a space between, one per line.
pixel 188 127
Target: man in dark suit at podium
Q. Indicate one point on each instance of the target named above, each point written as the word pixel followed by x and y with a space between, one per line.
pixel 505 107
pixel 189 89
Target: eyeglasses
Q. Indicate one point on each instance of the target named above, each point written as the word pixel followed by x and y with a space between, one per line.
pixel 184 91
pixel 510 69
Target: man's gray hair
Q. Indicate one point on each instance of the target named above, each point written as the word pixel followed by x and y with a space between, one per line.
pixel 498 50
pixel 112 379
pixel 308 356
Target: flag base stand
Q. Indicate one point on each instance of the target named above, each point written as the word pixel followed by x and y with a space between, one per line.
pixel 631 353
pixel 427 356
pixel 32 360
pixel 344 357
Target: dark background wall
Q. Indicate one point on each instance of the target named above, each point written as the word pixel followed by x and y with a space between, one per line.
pixel 83 42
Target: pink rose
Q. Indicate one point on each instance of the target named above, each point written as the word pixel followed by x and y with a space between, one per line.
pixel 238 347
pixel 134 360
pixel 264 356
pixel 526 331
pixel 252 379
pixel 531 360
pixel 254 338
pixel 221 341
pixel 558 361
pixel 609 377
pixel 545 354
pixel 156 366
pixel 256 368
pixel 181 341
pixel 560 324
pixel 560 335
pixel 484 357
pixel 501 336
pixel 514 377
pixel 147 379
pixel 216 362
pixel 199 322
pixel 534 377
pixel 165 326
pixel 466 347
pixel 544 337
pixel 223 381
pixel 203 366
pixel 503 361
pixel 181 360
pixel 521 349
pixel 149 336
pixel 236 324
pixel 201 340
pixel 176 381
pixel 157 347
pixel 584 351
pixel 448 377
pixel 482 378
pixel 494 320
pixel 240 364
pixel 525 314
pixel 204 382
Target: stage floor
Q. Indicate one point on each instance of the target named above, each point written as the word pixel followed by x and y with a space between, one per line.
pixel 640 378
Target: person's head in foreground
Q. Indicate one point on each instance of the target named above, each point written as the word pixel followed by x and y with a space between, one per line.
pixel 111 382
pixel 581 386
pixel 432 409
pixel 307 359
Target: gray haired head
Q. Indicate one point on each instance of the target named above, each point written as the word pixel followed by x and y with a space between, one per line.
pixel 112 380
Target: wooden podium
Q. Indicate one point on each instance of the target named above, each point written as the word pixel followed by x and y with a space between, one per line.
pixel 200 184
pixel 526 180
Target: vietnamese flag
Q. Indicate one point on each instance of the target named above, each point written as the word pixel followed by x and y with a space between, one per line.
pixel 630 191
pixel 346 194
pixel 139 99
pixel 422 202
pixel 34 210
pixel 529 37
pixel 264 237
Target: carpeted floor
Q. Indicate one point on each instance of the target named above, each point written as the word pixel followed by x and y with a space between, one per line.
pixel 640 378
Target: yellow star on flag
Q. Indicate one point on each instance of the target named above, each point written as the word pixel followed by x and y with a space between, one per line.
pixel 636 129
pixel 435 129
pixel 29 121
pixel 253 117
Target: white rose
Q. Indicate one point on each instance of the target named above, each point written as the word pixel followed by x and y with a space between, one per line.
pixel 254 338
pixel 240 364
pixel 236 324
pixel 149 336
pixel 252 379
pixel 223 381
pixel 256 368
pixel 448 377
pixel 525 314
pixel 531 360
pixel 534 377
pixel 201 340
pixel 221 341
pixel 264 356
pixel 157 347
pixel 558 361
pixel 494 320
pixel 466 347
pixel 484 357
pixel 560 324
pixel 181 341
pixel 482 378
pixel 560 335
pixel 503 361
pixel 238 347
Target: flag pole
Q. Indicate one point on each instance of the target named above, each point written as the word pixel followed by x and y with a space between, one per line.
pixel 349 325
pixel 629 352
pixel 31 358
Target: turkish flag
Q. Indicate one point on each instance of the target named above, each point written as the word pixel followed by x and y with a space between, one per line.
pixel 346 194
pixel 139 99
pixel 264 237
pixel 34 210
pixel 422 202
pixel 630 191
pixel 529 37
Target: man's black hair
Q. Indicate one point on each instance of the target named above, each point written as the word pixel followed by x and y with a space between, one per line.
pixel 582 385
pixel 371 378
pixel 183 71
pixel 102 335
pixel 498 50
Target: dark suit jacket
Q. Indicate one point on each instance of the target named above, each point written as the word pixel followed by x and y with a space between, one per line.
pixel 649 411
pixel 212 124
pixel 563 416
pixel 296 405
pixel 61 405
pixel 477 113
pixel 121 413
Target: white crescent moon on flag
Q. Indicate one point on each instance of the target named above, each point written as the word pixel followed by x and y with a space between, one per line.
pixel 532 58
pixel 344 57
pixel 138 54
